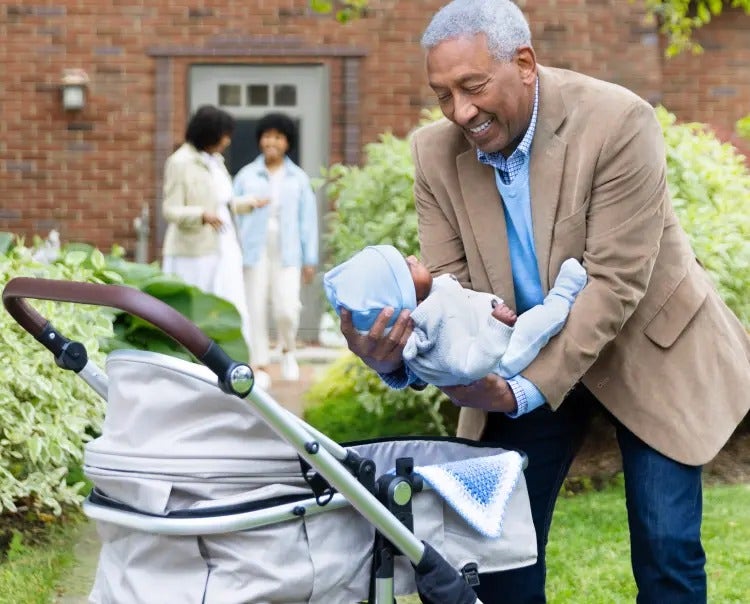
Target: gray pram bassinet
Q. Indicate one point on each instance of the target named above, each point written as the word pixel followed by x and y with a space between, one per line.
pixel 173 441
pixel 197 499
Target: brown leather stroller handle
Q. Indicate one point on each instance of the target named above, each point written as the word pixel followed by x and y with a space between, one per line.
pixel 130 300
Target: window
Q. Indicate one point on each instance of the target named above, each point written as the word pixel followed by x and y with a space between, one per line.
pixel 285 95
pixel 230 95
pixel 257 95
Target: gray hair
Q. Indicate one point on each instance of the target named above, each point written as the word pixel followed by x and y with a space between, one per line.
pixel 501 21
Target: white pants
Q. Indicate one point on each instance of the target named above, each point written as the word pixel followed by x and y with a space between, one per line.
pixel 268 280
pixel 199 271
pixel 215 274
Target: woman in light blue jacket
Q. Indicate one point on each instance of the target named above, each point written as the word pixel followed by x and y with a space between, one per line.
pixel 279 241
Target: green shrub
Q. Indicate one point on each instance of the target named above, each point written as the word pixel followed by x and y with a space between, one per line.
pixel 710 186
pixel 374 203
pixel 350 402
pixel 743 127
pixel 709 183
pixel 46 413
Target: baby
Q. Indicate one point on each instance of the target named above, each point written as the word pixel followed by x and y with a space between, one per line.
pixel 460 335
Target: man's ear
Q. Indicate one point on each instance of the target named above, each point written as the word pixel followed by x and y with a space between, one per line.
pixel 525 59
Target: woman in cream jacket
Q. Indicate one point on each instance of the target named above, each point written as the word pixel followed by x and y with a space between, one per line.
pixel 200 243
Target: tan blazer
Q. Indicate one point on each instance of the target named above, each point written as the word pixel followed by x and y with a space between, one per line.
pixel 648 335
pixel 188 193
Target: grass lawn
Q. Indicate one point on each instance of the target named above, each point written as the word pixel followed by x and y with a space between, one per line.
pixel 588 556
pixel 29 573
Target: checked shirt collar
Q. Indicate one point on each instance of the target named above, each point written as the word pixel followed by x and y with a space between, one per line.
pixel 508 168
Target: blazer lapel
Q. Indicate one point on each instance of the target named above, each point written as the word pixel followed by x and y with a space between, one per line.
pixel 485 211
pixel 546 170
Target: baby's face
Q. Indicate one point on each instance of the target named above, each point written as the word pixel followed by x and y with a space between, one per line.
pixel 421 277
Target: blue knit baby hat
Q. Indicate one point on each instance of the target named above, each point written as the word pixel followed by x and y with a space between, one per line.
pixel 372 279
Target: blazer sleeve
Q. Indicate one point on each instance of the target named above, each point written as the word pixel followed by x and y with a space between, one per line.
pixel 175 205
pixel 624 225
pixel 440 244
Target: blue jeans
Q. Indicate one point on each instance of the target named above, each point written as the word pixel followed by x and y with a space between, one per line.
pixel 663 500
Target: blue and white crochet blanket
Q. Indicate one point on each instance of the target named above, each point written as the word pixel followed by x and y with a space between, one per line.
pixel 478 489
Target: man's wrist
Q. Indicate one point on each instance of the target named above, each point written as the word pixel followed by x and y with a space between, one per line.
pixel 528 396
pixel 520 397
pixel 398 379
pixel 385 367
pixel 505 400
pixel 509 402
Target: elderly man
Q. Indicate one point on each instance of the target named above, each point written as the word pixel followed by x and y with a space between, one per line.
pixel 532 166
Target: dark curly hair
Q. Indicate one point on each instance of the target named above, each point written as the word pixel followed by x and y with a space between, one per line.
pixel 277 121
pixel 207 126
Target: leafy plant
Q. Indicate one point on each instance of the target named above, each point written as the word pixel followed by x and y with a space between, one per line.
pixel 350 402
pixel 374 203
pixel 743 127
pixel 344 10
pixel 7 241
pixel 680 18
pixel 46 414
pixel 710 186
pixel 216 317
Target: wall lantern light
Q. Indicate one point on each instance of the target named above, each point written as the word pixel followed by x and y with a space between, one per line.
pixel 73 86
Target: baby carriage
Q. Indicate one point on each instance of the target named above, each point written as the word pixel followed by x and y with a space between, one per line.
pixel 201 497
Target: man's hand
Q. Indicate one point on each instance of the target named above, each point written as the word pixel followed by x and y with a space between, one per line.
pixel 379 352
pixel 491 393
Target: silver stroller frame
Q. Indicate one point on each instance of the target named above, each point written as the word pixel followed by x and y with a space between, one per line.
pixel 349 478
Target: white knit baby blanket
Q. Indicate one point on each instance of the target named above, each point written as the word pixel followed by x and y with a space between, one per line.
pixel 478 489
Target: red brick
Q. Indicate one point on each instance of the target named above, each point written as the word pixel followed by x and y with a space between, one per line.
pixel 93 182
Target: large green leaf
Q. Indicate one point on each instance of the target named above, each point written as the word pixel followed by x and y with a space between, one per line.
pixel 133 273
pixel 216 317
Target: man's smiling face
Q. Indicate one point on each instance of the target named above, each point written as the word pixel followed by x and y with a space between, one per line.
pixel 490 100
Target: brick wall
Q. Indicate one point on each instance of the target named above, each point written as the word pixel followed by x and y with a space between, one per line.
pixel 714 86
pixel 88 174
pixel 607 39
